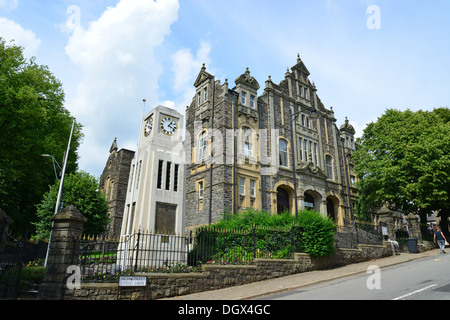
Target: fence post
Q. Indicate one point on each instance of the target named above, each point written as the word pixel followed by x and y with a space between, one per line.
pixel 254 242
pixel 137 251
pixel 63 252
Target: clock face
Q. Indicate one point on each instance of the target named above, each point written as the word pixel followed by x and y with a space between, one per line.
pixel 148 126
pixel 168 126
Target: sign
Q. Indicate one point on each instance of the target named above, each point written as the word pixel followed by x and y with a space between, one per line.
pixel 132 281
pixel 384 230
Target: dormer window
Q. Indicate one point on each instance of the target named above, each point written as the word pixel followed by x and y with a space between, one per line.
pixel 252 101
pixel 243 98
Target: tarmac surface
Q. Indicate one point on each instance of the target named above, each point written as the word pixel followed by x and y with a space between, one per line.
pixel 282 284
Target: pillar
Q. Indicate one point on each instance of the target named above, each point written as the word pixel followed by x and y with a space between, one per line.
pixel 63 252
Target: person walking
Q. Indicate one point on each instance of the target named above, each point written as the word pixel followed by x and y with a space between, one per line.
pixel 440 239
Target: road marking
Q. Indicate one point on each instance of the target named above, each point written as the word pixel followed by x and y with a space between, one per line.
pixel 414 292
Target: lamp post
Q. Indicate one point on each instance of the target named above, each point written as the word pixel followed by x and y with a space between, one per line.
pixel 58 200
pixel 53 161
pixel 313 115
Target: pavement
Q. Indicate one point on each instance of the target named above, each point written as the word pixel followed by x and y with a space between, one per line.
pixel 273 286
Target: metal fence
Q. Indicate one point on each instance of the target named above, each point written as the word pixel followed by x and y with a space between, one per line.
pixel 102 260
pixel 14 253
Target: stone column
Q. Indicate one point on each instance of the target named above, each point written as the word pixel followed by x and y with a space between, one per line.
pixel 414 227
pixel 63 252
pixel 387 216
pixel 5 221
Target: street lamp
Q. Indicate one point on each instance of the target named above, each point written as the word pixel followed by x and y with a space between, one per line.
pixel 58 200
pixel 313 116
pixel 54 161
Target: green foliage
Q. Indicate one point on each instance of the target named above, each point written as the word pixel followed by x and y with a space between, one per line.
pixel 246 219
pixel 239 238
pixel 81 190
pixel 318 233
pixel 404 159
pixel 33 121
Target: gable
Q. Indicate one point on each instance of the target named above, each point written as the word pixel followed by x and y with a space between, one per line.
pixel 202 77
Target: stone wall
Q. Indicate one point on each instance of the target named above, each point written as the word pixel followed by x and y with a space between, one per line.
pixel 215 277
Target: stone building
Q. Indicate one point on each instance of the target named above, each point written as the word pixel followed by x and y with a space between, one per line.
pixel 113 184
pixel 275 150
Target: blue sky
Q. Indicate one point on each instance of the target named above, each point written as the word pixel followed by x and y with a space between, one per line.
pixel 111 54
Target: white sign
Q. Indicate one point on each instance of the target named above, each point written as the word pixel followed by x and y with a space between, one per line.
pixel 132 281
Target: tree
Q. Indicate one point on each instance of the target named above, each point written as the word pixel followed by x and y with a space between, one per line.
pixel 403 159
pixel 33 121
pixel 80 190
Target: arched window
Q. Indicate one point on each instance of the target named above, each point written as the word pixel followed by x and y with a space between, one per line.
pixel 329 166
pixel 283 153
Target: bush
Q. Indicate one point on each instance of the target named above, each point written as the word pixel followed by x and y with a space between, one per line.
pixel 318 233
pixel 313 235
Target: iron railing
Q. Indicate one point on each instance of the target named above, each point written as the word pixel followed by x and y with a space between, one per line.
pixel 103 260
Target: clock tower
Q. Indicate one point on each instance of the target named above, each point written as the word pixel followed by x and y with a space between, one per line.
pixel 155 192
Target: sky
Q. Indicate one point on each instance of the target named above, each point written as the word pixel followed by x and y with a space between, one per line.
pixel 365 56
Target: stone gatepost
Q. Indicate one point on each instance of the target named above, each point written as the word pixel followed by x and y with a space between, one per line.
pixel 63 252
pixel 414 227
pixel 387 216
pixel 5 221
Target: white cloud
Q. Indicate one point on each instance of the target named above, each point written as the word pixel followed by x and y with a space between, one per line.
pixel 186 67
pixel 10 30
pixel 116 57
pixel 9 4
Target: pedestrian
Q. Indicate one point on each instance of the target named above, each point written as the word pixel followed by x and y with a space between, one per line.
pixel 440 239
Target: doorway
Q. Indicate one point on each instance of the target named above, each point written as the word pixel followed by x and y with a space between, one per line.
pixel 282 200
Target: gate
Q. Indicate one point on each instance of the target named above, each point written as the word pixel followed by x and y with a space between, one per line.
pixel 11 260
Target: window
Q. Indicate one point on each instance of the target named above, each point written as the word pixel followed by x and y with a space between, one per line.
pixel 316 156
pixel 246 149
pixel 306 149
pixel 243 97
pixel 300 142
pixel 202 147
pixel 199 99
pixel 252 188
pixel 252 101
pixel 169 167
pixel 205 94
pixel 246 138
pixel 242 186
pixel 310 150
pixel 175 179
pixel 200 189
pixel 283 153
pixel 329 167
pixel 160 169
pixel 138 174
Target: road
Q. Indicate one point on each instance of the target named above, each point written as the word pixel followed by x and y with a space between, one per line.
pixel 424 279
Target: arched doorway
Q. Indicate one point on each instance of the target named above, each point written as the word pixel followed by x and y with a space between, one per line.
pixel 282 200
pixel 330 209
pixel 333 208
pixel 309 201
